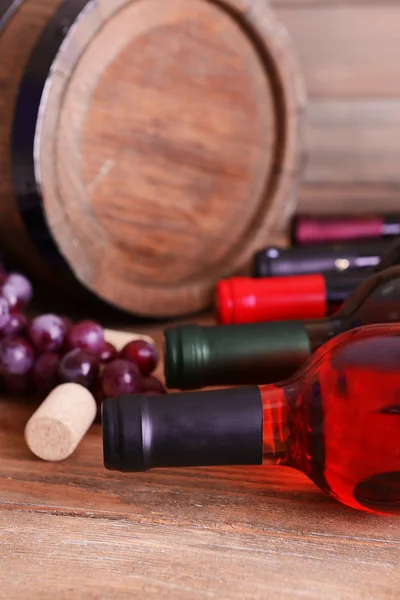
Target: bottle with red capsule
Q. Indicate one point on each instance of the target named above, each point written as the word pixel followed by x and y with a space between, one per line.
pixel 247 300
pixel 307 229
pixel 199 356
pixel 252 300
pixel 337 420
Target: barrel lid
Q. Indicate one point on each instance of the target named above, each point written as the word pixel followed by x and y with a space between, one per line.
pixel 167 146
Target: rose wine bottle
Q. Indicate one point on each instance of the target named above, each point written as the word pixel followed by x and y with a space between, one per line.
pixel 337 420
pixel 196 356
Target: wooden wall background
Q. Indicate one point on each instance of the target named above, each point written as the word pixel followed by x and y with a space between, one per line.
pixel 349 52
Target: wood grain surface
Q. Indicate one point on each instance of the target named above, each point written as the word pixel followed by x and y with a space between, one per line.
pixel 73 530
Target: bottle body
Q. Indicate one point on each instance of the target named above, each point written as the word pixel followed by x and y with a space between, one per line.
pixel 338 419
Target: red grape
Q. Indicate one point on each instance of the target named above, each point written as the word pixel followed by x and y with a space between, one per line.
pixel 86 335
pixel 16 356
pixel 78 366
pixel 108 353
pixel 4 313
pixel 143 354
pixel 45 372
pixel 47 332
pixel 16 325
pixel 17 290
pixel 152 386
pixel 121 377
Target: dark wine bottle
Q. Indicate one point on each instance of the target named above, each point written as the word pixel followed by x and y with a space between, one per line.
pixel 323 258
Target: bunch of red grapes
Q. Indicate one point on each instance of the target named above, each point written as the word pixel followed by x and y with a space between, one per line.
pixel 38 355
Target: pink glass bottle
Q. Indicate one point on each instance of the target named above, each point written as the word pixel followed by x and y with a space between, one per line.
pixel 337 420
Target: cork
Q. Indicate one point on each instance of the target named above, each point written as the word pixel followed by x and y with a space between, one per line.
pixel 59 424
pixel 120 338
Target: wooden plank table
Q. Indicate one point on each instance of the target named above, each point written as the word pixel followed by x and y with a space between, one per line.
pixel 74 530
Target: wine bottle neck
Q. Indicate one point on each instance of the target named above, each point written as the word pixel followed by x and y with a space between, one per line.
pixel 276 424
pixel 320 331
pixel 215 427
pixel 244 354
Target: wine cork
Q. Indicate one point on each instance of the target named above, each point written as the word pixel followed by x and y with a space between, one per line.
pixel 59 424
pixel 120 338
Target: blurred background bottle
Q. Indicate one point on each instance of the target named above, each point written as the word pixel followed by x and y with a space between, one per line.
pixel 307 229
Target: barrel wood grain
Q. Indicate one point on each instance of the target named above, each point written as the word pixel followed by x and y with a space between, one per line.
pixel 196 167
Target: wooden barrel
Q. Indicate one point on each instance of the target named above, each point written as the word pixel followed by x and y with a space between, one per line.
pixel 148 147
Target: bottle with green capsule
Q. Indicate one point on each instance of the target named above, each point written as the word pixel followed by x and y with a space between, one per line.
pixel 196 356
